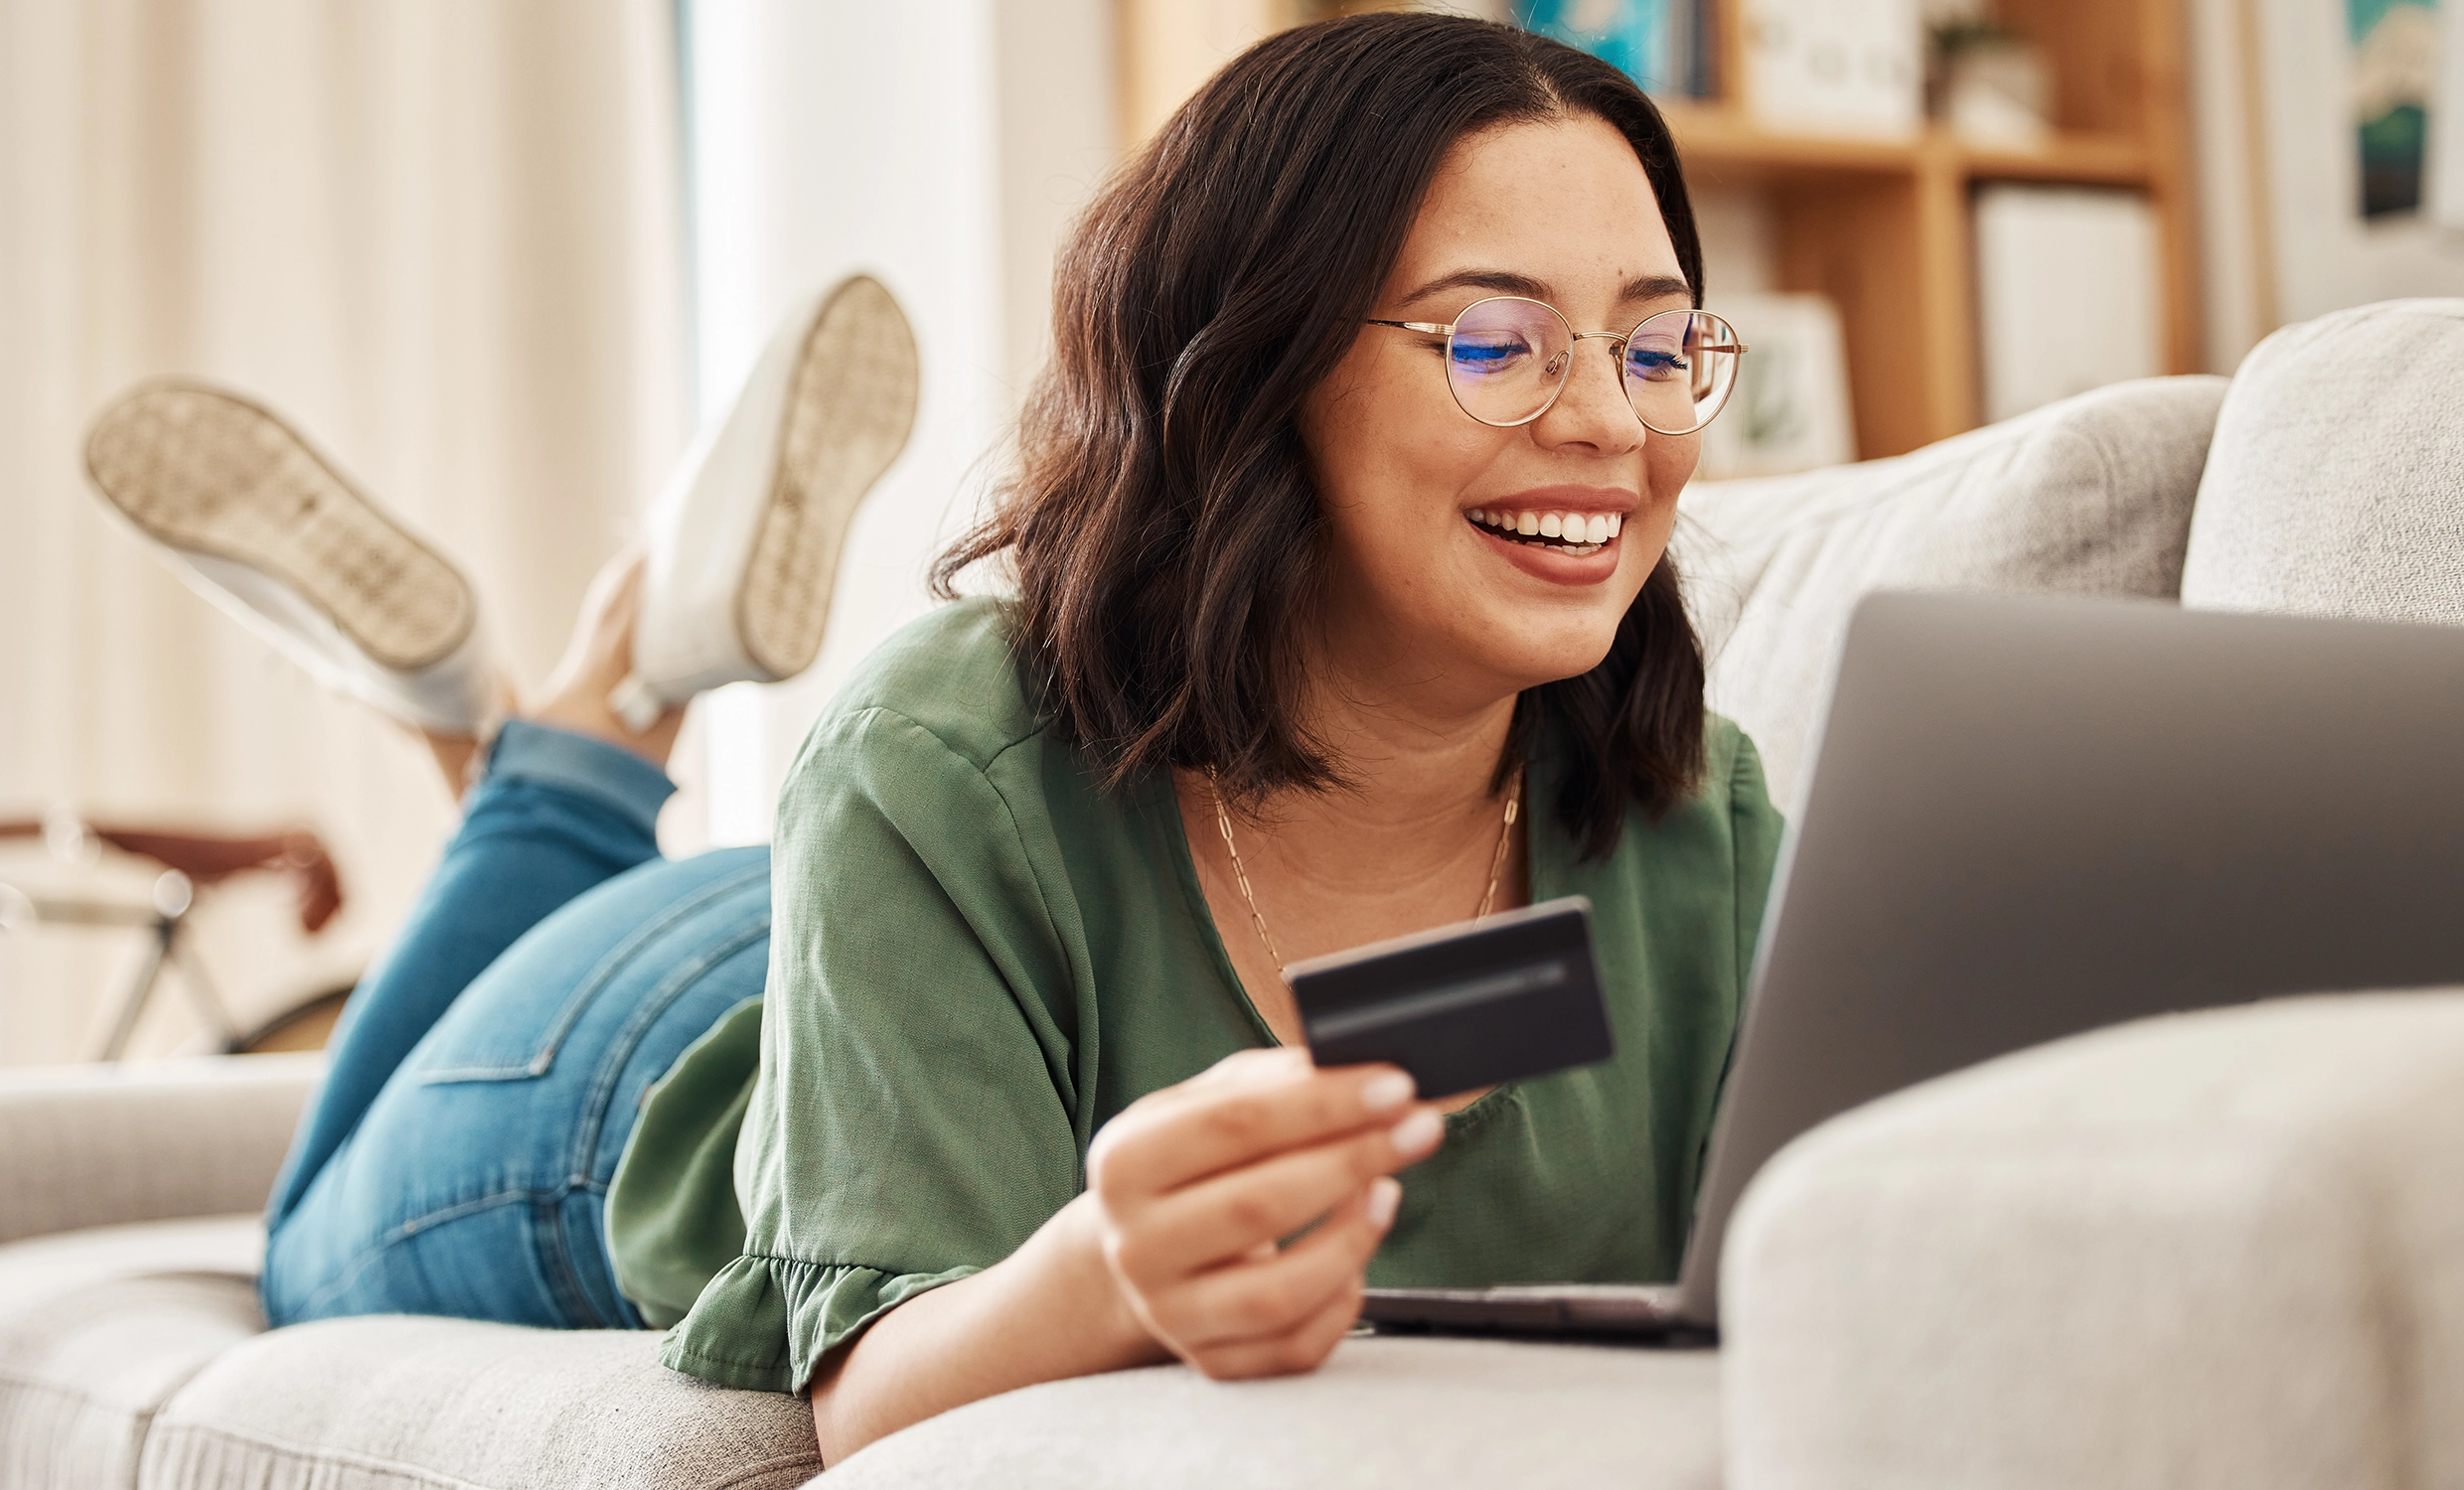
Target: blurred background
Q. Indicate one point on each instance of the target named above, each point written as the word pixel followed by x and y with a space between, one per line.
pixel 499 257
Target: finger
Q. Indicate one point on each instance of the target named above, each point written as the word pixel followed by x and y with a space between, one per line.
pixel 1269 1300
pixel 1221 1217
pixel 1219 1121
pixel 1264 1298
pixel 1265 1064
pixel 1305 1347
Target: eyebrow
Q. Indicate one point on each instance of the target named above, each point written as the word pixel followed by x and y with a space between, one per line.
pixel 1507 282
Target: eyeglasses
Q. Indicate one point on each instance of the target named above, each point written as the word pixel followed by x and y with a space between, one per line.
pixel 1507 361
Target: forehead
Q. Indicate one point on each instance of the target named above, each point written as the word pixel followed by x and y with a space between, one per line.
pixel 1564 201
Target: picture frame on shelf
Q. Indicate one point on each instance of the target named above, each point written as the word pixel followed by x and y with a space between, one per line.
pixel 1834 67
pixel 1789 410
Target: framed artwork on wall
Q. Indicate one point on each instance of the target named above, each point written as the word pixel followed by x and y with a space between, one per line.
pixel 2352 192
pixel 2395 54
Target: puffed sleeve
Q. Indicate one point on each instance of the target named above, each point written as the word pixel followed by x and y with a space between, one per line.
pixel 914 1119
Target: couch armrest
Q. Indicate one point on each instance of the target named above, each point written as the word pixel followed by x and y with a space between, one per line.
pixel 102 1146
pixel 2214 1248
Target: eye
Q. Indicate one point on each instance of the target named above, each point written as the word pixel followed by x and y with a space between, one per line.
pixel 1489 353
pixel 1655 360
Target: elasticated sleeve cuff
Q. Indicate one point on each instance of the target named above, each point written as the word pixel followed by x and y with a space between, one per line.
pixel 799 1311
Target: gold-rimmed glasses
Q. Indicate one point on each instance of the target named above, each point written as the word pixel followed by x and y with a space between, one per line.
pixel 1507 358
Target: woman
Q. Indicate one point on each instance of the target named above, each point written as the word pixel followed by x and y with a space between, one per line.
pixel 1339 532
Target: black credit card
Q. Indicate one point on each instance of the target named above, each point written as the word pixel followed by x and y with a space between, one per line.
pixel 1494 1000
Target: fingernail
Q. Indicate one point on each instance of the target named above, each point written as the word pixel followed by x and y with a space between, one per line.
pixel 1417 1134
pixel 1385 1193
pixel 1389 1089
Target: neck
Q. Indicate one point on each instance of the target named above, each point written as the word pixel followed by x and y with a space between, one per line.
pixel 1420 761
pixel 1408 842
pixel 1412 731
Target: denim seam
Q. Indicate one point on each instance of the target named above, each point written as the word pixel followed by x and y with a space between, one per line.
pixel 405 1231
pixel 396 1235
pixel 556 1258
pixel 552 1040
pixel 581 1162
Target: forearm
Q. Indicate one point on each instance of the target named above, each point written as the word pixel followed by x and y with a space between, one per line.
pixel 1048 1312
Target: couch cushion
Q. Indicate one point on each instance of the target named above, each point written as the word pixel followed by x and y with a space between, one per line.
pixel 99 1328
pixel 390 1403
pixel 2223 1249
pixel 1413 1415
pixel 2337 485
pixel 2090 496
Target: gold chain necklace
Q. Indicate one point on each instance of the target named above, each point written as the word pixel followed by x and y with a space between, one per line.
pixel 1240 874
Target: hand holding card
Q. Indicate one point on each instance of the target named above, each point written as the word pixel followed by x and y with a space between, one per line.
pixel 1488 1001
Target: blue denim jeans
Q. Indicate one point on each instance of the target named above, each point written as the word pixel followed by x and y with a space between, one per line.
pixel 487 1074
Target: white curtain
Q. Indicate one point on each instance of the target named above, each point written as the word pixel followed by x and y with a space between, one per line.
pixel 943 145
pixel 441 236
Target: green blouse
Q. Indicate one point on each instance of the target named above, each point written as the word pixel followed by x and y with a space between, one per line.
pixel 977 959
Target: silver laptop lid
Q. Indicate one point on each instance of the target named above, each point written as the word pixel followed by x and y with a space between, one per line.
pixel 2033 817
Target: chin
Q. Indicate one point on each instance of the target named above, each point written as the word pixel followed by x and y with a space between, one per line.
pixel 1554 651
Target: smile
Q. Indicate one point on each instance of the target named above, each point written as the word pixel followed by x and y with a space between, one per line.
pixel 1572 534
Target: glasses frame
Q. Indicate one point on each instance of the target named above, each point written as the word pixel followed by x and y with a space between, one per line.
pixel 1622 338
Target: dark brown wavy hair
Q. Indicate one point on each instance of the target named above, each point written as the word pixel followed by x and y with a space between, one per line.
pixel 1166 532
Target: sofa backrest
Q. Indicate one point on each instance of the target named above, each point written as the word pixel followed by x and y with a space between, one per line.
pixel 2090 496
pixel 2337 484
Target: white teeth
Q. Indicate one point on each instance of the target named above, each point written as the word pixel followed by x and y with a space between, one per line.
pixel 1581 534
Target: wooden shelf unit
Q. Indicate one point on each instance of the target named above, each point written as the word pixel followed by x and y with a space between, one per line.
pixel 1884 226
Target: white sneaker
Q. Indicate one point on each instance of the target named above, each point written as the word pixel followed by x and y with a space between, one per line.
pixel 746 542
pixel 256 522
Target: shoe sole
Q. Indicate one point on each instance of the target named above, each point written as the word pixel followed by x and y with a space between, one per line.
pixel 849 408
pixel 207 473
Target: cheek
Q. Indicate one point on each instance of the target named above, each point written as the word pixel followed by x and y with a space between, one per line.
pixel 1389 457
pixel 1668 463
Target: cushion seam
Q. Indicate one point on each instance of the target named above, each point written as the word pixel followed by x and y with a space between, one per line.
pixel 363 1460
pixel 142 1416
pixel 354 1457
pixel 783 1461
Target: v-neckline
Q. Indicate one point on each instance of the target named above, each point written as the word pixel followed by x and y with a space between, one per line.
pixel 1164 803
pixel 1193 895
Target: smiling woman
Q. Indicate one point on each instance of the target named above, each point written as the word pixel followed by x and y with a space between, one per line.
pixel 1340 516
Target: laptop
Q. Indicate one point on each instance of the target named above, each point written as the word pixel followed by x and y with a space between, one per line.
pixel 2030 818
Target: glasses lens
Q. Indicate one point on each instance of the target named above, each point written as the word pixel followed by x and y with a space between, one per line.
pixel 1680 367
pixel 1506 359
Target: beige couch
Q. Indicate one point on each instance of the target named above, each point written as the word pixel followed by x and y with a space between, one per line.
pixel 2226 1249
